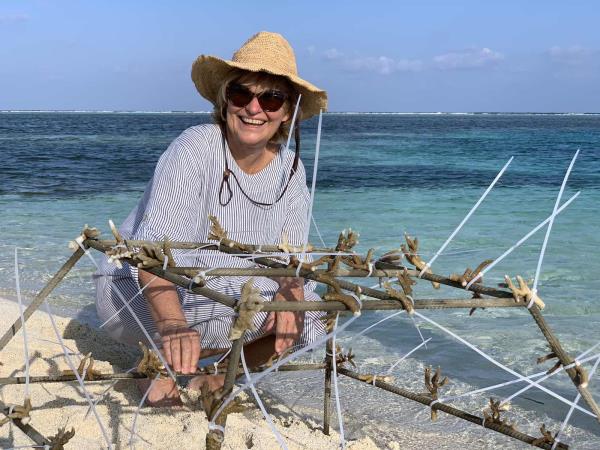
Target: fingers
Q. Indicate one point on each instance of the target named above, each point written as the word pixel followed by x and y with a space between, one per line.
pixel 166 349
pixel 195 353
pixel 181 348
pixel 289 327
pixel 269 325
pixel 175 343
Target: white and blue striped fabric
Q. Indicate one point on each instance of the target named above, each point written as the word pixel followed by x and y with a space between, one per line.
pixel 176 204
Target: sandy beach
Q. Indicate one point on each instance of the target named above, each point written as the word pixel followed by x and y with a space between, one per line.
pixel 57 405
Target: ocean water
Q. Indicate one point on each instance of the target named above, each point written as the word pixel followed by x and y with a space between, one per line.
pixel 380 174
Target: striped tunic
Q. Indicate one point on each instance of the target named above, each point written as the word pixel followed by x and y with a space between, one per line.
pixel 176 204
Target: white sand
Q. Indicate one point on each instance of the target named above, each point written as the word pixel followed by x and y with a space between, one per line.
pixel 64 405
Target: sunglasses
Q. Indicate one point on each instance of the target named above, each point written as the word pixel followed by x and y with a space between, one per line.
pixel 270 101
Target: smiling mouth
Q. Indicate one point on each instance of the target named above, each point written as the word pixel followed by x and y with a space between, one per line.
pixel 253 122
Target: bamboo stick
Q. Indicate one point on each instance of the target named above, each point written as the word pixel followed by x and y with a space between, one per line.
pixel 427 401
pixel 102 377
pixel 41 296
pixel 29 431
pixel 564 358
pixel 186 245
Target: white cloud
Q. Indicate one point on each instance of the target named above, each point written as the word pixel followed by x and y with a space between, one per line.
pixel 332 54
pixel 468 59
pixel 384 65
pixel 12 18
pixel 573 55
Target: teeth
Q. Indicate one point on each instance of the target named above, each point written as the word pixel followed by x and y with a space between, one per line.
pixel 252 121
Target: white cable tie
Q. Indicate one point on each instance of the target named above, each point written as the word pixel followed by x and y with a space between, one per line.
pixel 370 266
pixel 483 423
pixel 165 263
pixel 575 363
pixel 299 266
pixel 357 313
pixel 423 270
pixel 532 301
pixel 216 365
pixel 214 426
pixel 373 380
pixel 411 299
pixel 201 275
pixel 433 403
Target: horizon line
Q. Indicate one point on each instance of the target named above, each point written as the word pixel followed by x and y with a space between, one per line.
pixel 126 111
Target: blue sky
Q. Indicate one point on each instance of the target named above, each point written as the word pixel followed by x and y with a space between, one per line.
pixel 370 56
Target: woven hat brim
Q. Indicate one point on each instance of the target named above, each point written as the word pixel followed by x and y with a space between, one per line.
pixel 208 73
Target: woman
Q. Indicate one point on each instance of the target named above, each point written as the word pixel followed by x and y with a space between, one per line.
pixel 238 171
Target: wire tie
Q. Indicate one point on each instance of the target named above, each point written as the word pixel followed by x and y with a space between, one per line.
pixel 165 263
pixel 214 426
pixel 299 267
pixel 216 365
pixel 357 313
pixel 370 266
pixel 532 301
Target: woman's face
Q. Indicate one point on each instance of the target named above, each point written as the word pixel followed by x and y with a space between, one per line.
pixel 250 127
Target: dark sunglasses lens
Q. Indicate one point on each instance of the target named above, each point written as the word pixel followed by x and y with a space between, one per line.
pixel 271 100
pixel 239 95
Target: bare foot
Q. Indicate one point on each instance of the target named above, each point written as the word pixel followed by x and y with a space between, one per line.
pixel 214 382
pixel 164 392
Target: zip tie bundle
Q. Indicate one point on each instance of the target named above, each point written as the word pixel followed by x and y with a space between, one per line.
pixel 566 421
pixel 523 239
pixel 549 229
pixel 79 379
pixel 335 386
pixel 376 323
pixel 278 436
pixel 135 317
pixel 279 363
pixel 505 368
pixel 518 380
pixel 469 214
pixel 25 340
pixel 407 355
pixel 137 411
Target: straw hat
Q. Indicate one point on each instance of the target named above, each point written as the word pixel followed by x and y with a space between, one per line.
pixel 263 52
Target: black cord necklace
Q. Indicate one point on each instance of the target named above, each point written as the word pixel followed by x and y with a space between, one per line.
pixel 225 183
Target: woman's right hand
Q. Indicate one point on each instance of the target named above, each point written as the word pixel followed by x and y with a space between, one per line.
pixel 181 347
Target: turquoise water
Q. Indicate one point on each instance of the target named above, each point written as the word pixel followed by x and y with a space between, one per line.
pixel 382 175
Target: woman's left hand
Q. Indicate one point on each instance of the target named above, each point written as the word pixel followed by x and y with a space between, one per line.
pixel 287 325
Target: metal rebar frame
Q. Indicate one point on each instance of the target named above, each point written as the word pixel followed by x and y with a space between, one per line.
pixel 335 278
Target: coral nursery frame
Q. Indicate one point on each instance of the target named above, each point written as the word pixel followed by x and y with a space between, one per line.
pixel 397 272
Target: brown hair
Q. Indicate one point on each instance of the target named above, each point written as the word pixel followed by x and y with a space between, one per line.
pixel 244 76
